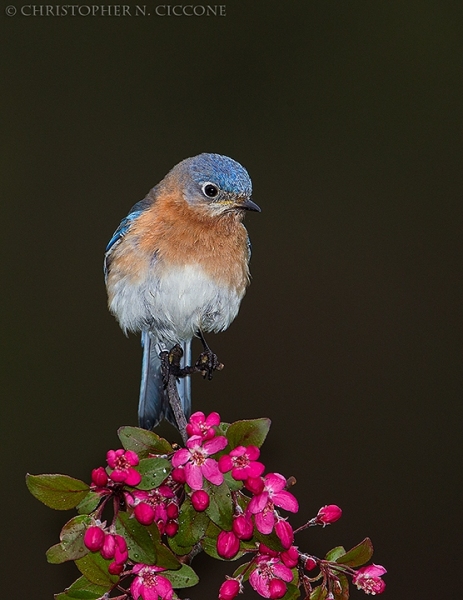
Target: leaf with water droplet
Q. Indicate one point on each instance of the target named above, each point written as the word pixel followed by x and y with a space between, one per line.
pixel 71 546
pixel 83 589
pixel 153 472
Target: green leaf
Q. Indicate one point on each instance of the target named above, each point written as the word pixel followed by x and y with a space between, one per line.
pixel 153 472
pixel 319 593
pixel 95 568
pixel 335 553
pixel 183 578
pixel 71 546
pixel 292 592
pixel 177 548
pixel 271 540
pixel 164 557
pixel 241 569
pixel 82 589
pixel 139 542
pixel 233 484
pixel 89 503
pixel 143 442
pixel 358 555
pixel 220 509
pixel 248 433
pixel 60 492
pixel 191 525
pixel 344 594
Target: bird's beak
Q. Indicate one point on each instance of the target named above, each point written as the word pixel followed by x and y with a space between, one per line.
pixel 250 205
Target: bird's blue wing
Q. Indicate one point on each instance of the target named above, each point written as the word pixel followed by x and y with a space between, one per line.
pixel 124 226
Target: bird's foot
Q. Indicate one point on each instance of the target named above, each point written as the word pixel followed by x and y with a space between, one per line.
pixel 207 363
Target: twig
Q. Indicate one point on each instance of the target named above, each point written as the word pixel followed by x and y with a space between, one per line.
pixel 168 358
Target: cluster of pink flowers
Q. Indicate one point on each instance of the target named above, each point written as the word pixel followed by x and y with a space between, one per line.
pixel 205 461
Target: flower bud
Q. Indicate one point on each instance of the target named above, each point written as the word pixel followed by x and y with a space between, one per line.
pixel 99 477
pixel 229 589
pixel 115 568
pixel 109 547
pixel 171 528
pixel 94 538
pixel 200 500
pixel 328 514
pixel 178 475
pixel 290 557
pixel 310 563
pixel 285 533
pixel 121 553
pixel 255 485
pixel 227 544
pixel 243 527
pixel 172 510
pixel 144 513
pixel 277 588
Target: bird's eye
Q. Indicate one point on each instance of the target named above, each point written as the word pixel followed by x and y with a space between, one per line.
pixel 210 190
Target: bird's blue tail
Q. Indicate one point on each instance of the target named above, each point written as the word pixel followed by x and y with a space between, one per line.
pixel 153 405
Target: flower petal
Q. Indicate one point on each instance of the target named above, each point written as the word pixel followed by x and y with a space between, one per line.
pixel 210 470
pixel 180 457
pixel 286 500
pixel 194 477
pixel 133 477
pixel 283 572
pixel 275 482
pixel 258 503
pixel 215 445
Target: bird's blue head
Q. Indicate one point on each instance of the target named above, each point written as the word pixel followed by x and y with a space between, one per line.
pixel 214 181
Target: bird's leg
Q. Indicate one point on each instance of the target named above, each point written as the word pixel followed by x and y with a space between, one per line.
pixel 208 362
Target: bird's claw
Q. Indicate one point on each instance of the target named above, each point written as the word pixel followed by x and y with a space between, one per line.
pixel 207 363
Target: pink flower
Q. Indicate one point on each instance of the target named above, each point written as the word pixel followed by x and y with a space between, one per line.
pixel 202 425
pixel 115 547
pixel 267 570
pixel 94 538
pixel 242 462
pixel 150 505
pixel 197 463
pixel 262 506
pixel 123 461
pixel 149 584
pixel 328 514
pixel 200 500
pixel 227 544
pixel 229 589
pixel 369 579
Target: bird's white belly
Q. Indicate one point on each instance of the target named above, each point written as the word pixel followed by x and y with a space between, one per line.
pixel 175 303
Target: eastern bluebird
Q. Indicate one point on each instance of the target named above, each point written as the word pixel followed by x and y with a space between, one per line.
pixel 177 266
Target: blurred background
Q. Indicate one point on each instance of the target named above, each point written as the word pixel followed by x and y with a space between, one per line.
pixel 347 116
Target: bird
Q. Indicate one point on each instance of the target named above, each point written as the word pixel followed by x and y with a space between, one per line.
pixel 178 267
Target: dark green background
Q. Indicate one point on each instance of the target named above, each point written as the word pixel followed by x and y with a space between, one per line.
pixel 348 117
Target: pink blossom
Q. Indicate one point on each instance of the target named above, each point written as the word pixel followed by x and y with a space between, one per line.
pixel 369 579
pixel 94 538
pixel 262 506
pixel 195 458
pixel 115 547
pixel 229 589
pixel 123 461
pixel 328 514
pixel 242 462
pixel 227 544
pixel 203 426
pixel 268 569
pixel 200 500
pixel 149 584
pixel 150 505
